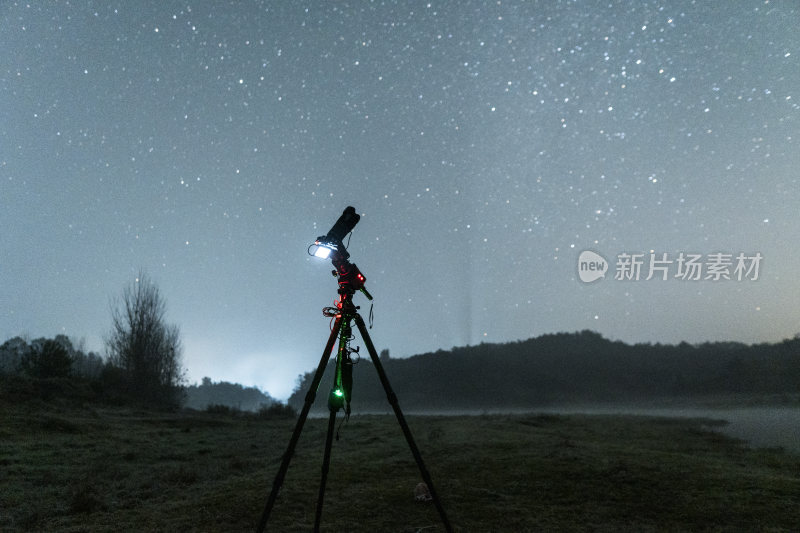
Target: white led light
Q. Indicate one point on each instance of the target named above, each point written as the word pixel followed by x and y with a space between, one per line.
pixel 322 252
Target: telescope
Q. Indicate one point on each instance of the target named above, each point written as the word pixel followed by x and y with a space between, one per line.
pixel 332 242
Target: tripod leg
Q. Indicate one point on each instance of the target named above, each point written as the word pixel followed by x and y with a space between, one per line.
pixel 298 428
pixel 362 328
pixel 326 461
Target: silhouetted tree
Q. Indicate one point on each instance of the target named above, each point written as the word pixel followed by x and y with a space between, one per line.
pixel 11 353
pixel 87 365
pixel 47 359
pixel 144 346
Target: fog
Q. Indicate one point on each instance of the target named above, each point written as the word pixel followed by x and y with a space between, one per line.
pixel 759 427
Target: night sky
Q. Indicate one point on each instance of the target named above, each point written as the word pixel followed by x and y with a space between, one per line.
pixel 485 144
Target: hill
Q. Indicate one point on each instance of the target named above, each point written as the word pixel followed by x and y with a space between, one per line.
pixel 571 368
pixel 232 395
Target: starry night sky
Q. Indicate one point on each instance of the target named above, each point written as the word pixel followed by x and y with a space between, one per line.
pixel 486 144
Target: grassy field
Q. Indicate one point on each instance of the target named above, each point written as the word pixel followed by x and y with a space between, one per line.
pixel 114 469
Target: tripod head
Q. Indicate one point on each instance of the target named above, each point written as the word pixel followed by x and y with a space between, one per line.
pixel 350 278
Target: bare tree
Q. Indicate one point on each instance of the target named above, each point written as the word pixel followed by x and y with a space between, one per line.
pixel 144 346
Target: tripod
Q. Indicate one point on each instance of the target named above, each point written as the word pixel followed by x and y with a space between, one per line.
pixel 350 280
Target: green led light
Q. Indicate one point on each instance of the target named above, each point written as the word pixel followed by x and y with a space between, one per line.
pixel 336 399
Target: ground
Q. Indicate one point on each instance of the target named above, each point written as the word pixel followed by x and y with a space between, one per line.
pixel 103 468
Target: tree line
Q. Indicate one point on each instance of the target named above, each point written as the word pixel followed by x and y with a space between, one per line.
pixel 232 395
pixel 143 363
pixel 48 358
pixel 571 368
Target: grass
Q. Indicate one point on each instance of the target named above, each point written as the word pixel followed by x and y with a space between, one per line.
pixel 115 469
